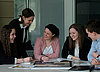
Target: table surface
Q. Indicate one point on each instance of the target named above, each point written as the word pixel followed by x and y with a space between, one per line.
pixel 7 68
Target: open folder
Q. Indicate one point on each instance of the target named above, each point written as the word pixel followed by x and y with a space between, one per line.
pixel 52 64
pixel 81 68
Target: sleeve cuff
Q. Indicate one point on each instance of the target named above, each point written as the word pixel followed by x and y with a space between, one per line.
pixel 99 58
pixel 15 61
pixel 69 57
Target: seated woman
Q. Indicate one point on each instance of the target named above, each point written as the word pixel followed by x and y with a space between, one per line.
pixel 48 46
pixel 8 50
pixel 76 45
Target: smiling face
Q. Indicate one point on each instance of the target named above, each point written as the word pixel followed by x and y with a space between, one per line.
pixel 28 21
pixel 12 36
pixel 48 34
pixel 92 35
pixel 73 34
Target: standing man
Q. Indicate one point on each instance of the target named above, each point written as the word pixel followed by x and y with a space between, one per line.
pixel 21 25
pixel 93 31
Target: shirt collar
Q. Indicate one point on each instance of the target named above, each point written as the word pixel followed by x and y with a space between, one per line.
pixel 21 25
pixel 19 19
pixel 98 39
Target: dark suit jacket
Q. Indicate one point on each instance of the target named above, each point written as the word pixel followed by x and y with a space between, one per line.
pixel 83 52
pixel 19 38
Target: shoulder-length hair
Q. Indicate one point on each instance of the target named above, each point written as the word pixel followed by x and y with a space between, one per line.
pixel 81 36
pixel 53 29
pixel 5 39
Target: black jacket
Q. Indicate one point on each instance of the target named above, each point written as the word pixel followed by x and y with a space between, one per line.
pixel 4 59
pixel 19 38
pixel 83 52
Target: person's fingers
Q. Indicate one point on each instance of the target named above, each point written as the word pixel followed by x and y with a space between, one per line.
pixel 94 62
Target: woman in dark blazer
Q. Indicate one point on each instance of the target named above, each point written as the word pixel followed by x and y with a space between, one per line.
pixel 76 45
pixel 8 48
pixel 21 26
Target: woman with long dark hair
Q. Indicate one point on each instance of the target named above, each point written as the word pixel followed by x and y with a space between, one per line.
pixel 77 45
pixel 8 48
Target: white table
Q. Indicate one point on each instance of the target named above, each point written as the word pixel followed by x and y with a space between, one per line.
pixel 4 68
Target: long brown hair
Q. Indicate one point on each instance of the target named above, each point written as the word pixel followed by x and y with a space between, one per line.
pixel 81 36
pixel 5 39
